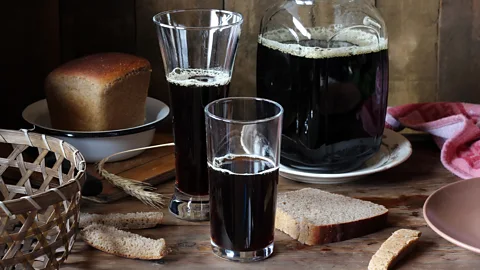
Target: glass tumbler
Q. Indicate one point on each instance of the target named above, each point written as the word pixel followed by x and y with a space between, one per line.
pixel 198 48
pixel 243 152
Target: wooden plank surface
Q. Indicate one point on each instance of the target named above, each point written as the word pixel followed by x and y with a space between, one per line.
pixel 403 190
pixel 434 50
pixel 31 49
pixel 244 76
pixel 153 166
pixel 91 26
pixel 434 45
pixel 413 35
pixel 459 48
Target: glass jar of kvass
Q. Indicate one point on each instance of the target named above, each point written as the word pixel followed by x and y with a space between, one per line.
pixel 326 63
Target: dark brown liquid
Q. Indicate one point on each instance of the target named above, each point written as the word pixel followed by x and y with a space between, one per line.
pixel 188 105
pixel 334 107
pixel 243 203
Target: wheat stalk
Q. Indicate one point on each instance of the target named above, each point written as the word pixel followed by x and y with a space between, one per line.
pixel 134 188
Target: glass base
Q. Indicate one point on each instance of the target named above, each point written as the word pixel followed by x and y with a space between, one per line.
pixel 242 256
pixel 189 207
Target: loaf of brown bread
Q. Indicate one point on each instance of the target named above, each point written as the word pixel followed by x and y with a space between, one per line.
pixel 99 92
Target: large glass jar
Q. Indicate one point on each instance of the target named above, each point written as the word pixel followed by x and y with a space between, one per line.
pixel 326 63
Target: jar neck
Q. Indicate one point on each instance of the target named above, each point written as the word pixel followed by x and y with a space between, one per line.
pixel 311 2
pixel 304 2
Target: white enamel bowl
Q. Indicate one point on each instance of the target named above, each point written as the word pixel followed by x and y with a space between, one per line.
pixel 97 145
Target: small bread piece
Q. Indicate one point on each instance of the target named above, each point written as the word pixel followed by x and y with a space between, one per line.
pixel 129 221
pixel 317 217
pixel 391 251
pixel 124 244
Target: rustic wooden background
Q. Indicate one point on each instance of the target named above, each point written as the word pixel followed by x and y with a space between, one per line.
pixel 434 45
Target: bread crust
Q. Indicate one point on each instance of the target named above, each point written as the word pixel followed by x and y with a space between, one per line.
pixel 102 68
pixel 123 221
pixel 397 246
pixel 163 252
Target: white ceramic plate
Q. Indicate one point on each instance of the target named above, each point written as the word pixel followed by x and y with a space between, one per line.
pixel 97 145
pixel 395 150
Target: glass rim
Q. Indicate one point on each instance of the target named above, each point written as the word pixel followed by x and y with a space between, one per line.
pixel 244 122
pixel 158 15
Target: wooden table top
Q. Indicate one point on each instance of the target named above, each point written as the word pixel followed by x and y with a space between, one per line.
pixel 403 190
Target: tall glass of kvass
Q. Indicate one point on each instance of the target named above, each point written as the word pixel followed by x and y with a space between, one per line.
pixel 326 63
pixel 198 48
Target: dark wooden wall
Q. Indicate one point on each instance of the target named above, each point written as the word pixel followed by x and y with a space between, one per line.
pixel 434 45
pixel 30 48
pixel 459 50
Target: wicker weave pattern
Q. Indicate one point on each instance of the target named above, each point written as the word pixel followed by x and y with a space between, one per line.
pixel 39 210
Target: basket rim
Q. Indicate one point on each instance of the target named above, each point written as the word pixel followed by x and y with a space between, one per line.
pixel 45 198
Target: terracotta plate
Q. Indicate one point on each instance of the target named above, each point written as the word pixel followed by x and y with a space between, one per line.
pixel 454 213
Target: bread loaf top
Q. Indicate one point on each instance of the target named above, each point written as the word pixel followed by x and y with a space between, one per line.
pixel 102 69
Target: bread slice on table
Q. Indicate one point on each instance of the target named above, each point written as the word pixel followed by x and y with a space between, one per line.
pixel 124 244
pixel 313 216
pixel 129 221
pixel 391 251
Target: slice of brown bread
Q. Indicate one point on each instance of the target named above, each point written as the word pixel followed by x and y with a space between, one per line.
pixel 393 249
pixel 124 244
pixel 313 216
pixel 128 221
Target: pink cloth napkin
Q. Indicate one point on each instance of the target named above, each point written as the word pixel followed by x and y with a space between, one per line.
pixel 454 126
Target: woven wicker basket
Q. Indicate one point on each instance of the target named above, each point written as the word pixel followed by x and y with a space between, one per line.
pixel 40 182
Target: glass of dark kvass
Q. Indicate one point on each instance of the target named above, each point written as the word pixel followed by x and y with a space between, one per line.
pixel 326 63
pixel 243 153
pixel 198 48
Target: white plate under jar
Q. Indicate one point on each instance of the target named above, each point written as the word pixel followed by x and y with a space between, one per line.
pixel 395 149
